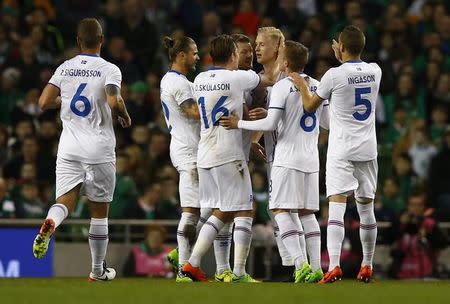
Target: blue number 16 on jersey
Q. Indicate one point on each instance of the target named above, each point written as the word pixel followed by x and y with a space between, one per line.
pixel 83 99
pixel 218 108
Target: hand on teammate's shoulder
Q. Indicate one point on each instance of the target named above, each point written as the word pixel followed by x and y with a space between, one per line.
pixel 299 81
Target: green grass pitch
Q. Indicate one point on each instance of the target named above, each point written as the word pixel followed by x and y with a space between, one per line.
pixel 150 291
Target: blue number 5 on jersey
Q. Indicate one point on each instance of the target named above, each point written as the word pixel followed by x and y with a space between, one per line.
pixel 83 99
pixel 360 101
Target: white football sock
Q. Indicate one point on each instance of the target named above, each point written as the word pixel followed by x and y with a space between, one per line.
pixel 312 238
pixel 301 236
pixel 98 243
pixel 286 259
pixel 242 241
pixel 205 213
pixel 57 212
pixel 184 247
pixel 222 246
pixel 335 232
pixel 290 237
pixel 205 239
pixel 367 231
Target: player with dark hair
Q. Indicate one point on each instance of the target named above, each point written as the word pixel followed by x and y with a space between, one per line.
pixel 221 160
pixel 182 118
pixel 352 89
pixel 295 171
pixel 87 89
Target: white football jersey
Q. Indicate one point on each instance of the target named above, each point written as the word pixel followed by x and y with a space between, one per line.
pixel 246 134
pixel 88 134
pixel 218 93
pixel 352 90
pixel 185 132
pixel 270 138
pixel 298 131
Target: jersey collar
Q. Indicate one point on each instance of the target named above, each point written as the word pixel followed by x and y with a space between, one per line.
pixel 215 68
pixel 354 61
pixel 173 71
pixel 90 55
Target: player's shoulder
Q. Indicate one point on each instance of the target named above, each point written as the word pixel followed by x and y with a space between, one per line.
pixel 286 82
pixel 109 65
pixel 201 76
pixel 246 74
pixel 313 81
pixel 173 80
pixel 375 66
pixel 333 72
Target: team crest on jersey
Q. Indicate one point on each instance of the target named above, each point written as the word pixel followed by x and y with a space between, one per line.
pixel 83 61
pixel 212 75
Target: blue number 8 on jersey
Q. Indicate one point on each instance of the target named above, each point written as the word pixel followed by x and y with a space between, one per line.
pixel 83 99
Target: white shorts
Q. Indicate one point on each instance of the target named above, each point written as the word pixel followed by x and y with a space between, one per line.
pixel 188 185
pixel 345 176
pixel 226 187
pixel 98 180
pixel 293 189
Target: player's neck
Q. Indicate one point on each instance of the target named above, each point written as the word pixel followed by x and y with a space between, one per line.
pixel 91 51
pixel 179 68
pixel 288 71
pixel 348 57
pixel 271 68
pixel 226 66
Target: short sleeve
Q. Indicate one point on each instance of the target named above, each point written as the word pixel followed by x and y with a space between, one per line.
pixel 248 80
pixel 326 85
pixel 114 76
pixel 57 77
pixel 183 91
pixel 277 98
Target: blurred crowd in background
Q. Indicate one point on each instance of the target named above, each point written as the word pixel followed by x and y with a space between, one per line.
pixel 409 39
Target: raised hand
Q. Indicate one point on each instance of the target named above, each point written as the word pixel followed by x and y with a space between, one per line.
pixel 337 52
pixel 299 81
pixel 125 122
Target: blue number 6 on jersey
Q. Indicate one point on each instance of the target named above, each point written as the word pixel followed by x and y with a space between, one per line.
pixel 362 101
pixel 83 99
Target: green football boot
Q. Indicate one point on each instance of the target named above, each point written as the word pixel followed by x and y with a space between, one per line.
pixel 182 278
pixel 246 278
pixel 225 277
pixel 301 273
pixel 314 277
pixel 40 244
pixel 172 257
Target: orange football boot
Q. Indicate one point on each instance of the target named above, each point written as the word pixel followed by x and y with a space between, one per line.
pixel 332 276
pixel 365 274
pixel 195 273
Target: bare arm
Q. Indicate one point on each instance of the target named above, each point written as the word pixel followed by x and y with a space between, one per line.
pixel 49 98
pixel 310 102
pixel 190 108
pixel 117 104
